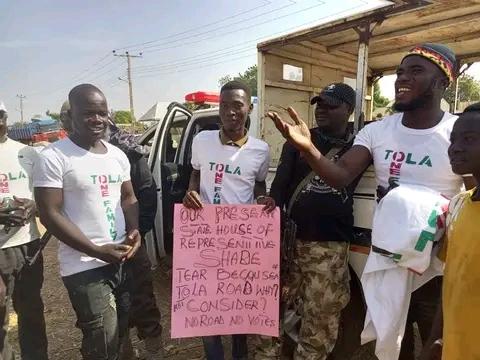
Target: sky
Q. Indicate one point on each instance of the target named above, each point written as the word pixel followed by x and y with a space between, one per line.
pixel 49 46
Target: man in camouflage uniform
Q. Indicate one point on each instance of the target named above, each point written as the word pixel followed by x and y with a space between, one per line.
pixel 319 279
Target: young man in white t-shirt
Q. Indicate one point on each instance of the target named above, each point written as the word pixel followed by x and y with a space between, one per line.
pixel 229 167
pixel 19 241
pixel 85 199
pixel 409 147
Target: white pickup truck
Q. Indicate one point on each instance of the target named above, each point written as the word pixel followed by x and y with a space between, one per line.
pixel 170 142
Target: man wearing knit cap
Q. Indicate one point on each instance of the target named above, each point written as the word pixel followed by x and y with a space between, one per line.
pixel 409 147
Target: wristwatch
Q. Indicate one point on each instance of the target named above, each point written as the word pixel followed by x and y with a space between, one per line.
pixel 261 197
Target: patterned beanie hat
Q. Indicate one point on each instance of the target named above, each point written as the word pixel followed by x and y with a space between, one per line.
pixel 440 55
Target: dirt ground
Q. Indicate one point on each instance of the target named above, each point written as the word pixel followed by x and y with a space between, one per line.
pixel 64 338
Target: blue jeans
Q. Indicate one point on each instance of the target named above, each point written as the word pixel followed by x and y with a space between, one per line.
pixel 214 348
pixel 101 302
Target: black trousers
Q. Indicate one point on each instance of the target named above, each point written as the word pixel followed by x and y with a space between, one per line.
pixel 24 284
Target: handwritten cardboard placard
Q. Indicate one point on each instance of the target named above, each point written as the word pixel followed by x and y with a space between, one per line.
pixel 226 271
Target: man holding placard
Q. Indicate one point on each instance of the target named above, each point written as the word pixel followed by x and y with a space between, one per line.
pixel 229 167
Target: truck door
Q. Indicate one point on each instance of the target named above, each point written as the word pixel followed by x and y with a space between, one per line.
pixel 171 177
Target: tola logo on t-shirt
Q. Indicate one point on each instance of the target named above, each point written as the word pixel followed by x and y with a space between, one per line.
pixel 398 158
pixel 104 180
pixel 220 171
pixel 5 178
pixel 107 205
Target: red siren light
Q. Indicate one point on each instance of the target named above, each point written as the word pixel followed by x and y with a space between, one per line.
pixel 203 97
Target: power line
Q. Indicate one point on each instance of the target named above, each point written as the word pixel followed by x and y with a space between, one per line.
pixel 94 69
pixel 266 3
pixel 215 36
pixel 197 67
pixel 194 61
pixel 197 56
pixel 82 75
pixel 164 66
pixel 106 72
pixel 236 23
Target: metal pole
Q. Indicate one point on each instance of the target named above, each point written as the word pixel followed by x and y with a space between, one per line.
pixel 455 106
pixel 129 79
pixel 364 33
pixel 21 97
pixel 130 90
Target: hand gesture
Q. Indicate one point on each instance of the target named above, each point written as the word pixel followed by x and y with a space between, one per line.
pixel 134 240
pixel 297 134
pixel 112 253
pixel 192 200
pixel 268 202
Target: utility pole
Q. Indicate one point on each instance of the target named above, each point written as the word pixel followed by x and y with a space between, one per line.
pixel 128 56
pixel 21 97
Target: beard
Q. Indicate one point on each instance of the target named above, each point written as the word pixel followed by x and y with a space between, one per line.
pixel 420 102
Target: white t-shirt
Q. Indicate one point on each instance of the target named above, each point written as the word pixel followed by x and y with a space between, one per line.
pixel 228 173
pixel 91 186
pixel 417 157
pixel 16 167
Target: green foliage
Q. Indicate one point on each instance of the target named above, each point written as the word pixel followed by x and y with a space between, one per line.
pixel 53 115
pixel 249 77
pixel 379 101
pixel 224 79
pixel 122 117
pixel 468 90
pixel 193 107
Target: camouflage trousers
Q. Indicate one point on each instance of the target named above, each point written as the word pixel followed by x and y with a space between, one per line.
pixel 319 283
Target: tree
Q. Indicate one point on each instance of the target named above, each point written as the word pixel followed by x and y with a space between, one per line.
pixel 122 117
pixel 194 107
pixel 468 90
pixel 53 115
pixel 379 101
pixel 224 79
pixel 249 77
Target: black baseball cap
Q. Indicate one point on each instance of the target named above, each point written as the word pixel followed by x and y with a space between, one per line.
pixel 335 94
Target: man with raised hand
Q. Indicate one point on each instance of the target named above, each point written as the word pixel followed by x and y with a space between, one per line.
pixel 407 147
